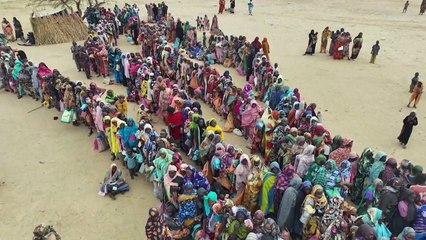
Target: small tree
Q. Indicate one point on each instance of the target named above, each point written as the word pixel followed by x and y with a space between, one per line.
pixel 70 5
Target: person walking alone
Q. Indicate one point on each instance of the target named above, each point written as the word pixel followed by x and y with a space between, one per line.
pixel 374 52
pixel 416 95
pixel 414 82
pixel 409 122
pixel 405 7
pixel 250 7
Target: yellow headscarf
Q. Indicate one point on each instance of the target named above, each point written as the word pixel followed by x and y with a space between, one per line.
pixel 216 129
pixel 321 201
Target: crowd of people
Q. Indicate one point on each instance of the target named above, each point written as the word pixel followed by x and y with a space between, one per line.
pixel 307 184
pixel 339 44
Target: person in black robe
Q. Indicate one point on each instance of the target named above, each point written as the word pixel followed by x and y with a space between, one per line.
pixel 232 6
pixel 155 11
pixel 179 30
pixel 311 43
pixel 165 9
pixel 18 29
pixel 404 216
pixel 84 62
pixel 134 30
pixel 250 59
pixel 409 122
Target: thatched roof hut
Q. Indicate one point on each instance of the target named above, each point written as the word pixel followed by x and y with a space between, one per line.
pixel 57 26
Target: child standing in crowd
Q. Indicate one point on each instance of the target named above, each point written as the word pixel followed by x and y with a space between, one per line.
pixel 121 105
pixel 131 161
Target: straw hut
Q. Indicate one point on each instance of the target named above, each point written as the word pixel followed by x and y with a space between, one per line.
pixel 57 26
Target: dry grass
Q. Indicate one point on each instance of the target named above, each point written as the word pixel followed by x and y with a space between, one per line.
pixel 58 28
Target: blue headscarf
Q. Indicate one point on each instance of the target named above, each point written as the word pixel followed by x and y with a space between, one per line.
pixel 129 133
pixel 275 165
pixel 377 167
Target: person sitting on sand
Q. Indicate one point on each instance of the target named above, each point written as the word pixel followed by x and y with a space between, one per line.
pixel 113 183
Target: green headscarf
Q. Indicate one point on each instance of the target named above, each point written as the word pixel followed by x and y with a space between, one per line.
pixel 417 169
pixel 320 160
pixel 337 142
pixel 378 167
pixel 194 122
pixel 211 196
pixel 162 163
pixel 315 167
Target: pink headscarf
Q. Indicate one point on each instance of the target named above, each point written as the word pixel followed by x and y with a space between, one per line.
pixel 250 115
pixel 43 70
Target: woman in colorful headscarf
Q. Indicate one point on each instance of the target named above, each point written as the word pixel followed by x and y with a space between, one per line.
pixel 333 183
pixel 172 179
pixel 390 170
pixel 304 160
pixel 365 232
pixel 266 199
pixel 377 167
pixel 114 146
pixel 333 210
pixel 270 229
pixel 242 172
pixel 363 171
pixel 187 205
pixel 209 200
pixel 420 223
pixel 314 168
pixel 342 153
pixel 161 164
pixel 205 146
pixel 249 117
pixel 371 197
pixel 175 123
pixel 325 172
pixel 254 184
pixel 213 126
pixel 336 230
pixel 389 199
pixel 408 233
pixel 217 165
pixel 154 225
pixel 214 221
pixel 405 213
pixel 196 131
pixel 313 208
pixel 129 132
pixel 8 30
pixel 373 218
pixel 238 229
pixel 196 178
pixel 286 216
pixel 271 120
pixel 112 178
pixel 282 182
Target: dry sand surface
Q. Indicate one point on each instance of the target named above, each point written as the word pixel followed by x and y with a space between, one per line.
pixel 49 173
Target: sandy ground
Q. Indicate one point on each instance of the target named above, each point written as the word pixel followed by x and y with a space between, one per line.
pixel 50 174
